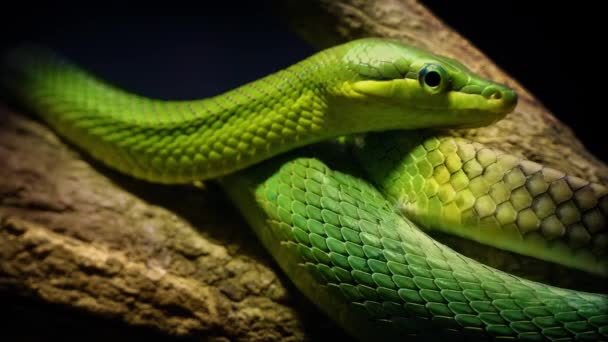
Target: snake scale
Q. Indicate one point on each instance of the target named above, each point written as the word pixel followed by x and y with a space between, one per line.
pixel 356 249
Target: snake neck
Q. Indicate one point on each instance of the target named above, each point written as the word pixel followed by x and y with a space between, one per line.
pixel 180 141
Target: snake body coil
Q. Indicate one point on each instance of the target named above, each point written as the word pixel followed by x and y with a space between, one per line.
pixel 338 238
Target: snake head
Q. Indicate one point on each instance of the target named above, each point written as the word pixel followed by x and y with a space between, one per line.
pixel 395 86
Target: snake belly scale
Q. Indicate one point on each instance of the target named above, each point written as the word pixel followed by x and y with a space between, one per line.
pixel 340 240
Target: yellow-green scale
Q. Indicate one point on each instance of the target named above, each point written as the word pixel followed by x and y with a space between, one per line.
pixel 463 188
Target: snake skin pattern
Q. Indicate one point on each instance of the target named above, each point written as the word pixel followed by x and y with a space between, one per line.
pixel 337 237
pixel 463 188
pixel 347 236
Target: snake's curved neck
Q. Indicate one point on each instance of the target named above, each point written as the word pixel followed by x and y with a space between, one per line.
pixel 268 116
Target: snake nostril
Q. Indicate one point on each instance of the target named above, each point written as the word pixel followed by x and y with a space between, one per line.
pixel 493 93
pixel 497 95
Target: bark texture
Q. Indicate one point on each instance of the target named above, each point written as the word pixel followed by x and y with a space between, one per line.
pixel 179 261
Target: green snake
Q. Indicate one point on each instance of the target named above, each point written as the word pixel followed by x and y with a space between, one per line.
pixel 353 248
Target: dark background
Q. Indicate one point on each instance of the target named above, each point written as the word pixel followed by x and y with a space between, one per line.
pixel 552 50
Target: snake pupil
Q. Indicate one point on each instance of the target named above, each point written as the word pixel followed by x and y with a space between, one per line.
pixel 432 79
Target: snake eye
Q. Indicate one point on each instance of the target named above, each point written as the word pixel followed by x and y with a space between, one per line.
pixel 433 78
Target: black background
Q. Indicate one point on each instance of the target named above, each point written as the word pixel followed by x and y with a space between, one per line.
pixel 553 48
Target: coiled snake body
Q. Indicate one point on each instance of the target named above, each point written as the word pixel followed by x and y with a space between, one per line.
pixel 353 250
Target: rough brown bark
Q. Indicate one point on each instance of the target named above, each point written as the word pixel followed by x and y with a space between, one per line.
pixel 178 259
